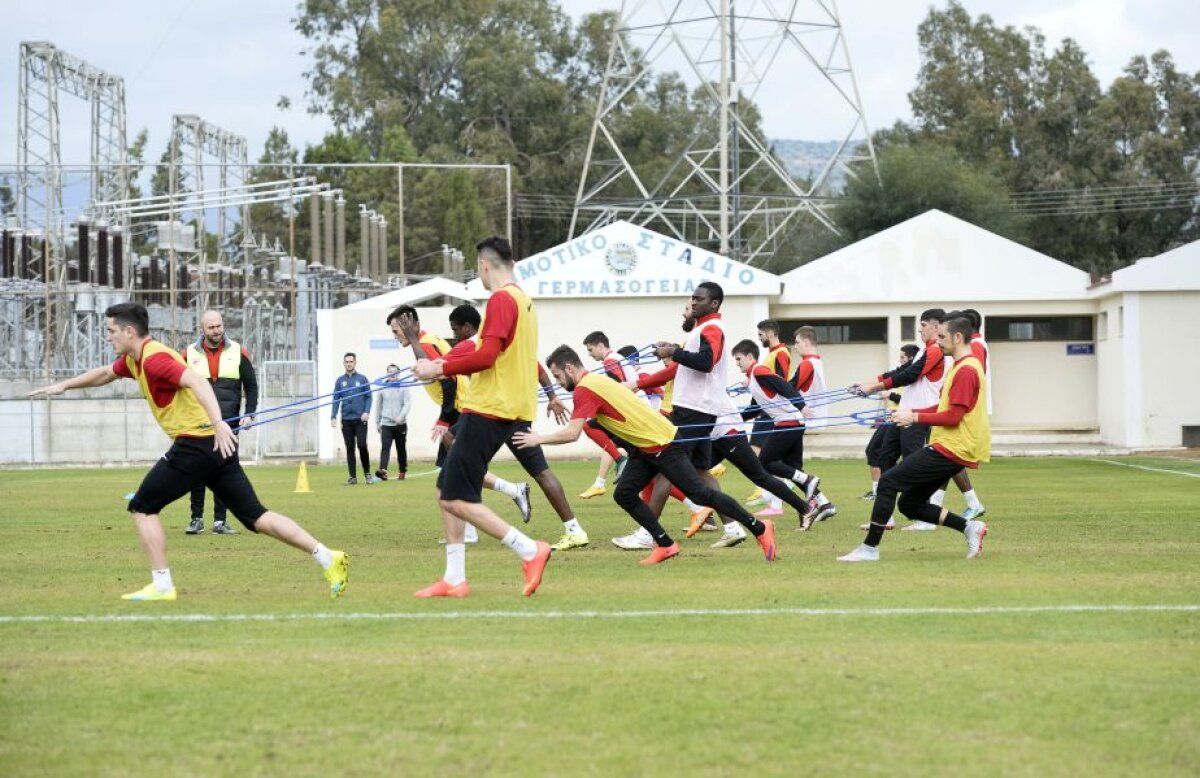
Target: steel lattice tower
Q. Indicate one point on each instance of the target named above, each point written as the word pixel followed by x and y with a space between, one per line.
pixel 726 190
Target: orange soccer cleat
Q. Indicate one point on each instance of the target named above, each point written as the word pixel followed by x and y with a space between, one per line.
pixel 443 589
pixel 661 554
pixel 766 542
pixel 534 568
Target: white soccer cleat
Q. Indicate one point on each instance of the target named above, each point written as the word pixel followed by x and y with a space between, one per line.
pixel 971 513
pixel 919 526
pixel 975 533
pixel 636 541
pixel 863 553
pixel 523 503
pixel 730 539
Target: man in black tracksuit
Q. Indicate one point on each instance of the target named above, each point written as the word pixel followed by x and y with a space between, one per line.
pixel 227 366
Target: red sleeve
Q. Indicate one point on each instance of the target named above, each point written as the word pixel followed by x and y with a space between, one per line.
pixel 460 348
pixel 934 363
pixel 716 340
pixel 121 368
pixel 613 367
pixel 542 376
pixel 760 372
pixel 500 318
pixel 783 364
pixel 161 369
pixel 480 359
pixel 964 393
pixel 662 377
pixel 804 375
pixel 980 352
pixel 585 403
pixel 431 351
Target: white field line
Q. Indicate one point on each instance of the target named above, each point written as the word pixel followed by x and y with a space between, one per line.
pixel 1151 469
pixel 587 614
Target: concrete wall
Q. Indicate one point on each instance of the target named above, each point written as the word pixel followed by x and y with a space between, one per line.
pixel 1111 404
pixel 1168 331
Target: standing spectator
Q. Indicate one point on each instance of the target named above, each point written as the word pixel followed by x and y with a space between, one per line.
pixel 227 367
pixel 390 409
pixel 352 393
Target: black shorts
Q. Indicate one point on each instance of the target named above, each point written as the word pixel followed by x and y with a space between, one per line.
pixel 532 459
pixel 875 447
pixel 784 444
pixel 443 449
pixel 761 425
pixel 695 427
pixel 476 440
pixel 191 462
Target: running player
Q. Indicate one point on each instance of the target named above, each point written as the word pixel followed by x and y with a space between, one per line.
pixel 203 451
pixel 503 396
pixel 598 349
pixel 653 452
pixel 890 402
pixel 961 438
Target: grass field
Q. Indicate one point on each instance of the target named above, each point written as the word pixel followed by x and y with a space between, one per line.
pixel 716 663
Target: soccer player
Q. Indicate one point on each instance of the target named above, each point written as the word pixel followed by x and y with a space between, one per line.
pixel 598 349
pixel 503 400
pixel 778 360
pixel 890 402
pixel 923 377
pixel 464 323
pixel 203 451
pixel 702 410
pixel 653 452
pixel 961 438
pixel 783 447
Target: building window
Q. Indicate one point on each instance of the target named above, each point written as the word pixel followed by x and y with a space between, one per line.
pixel 1102 326
pixel 838 330
pixel 908 328
pixel 1029 328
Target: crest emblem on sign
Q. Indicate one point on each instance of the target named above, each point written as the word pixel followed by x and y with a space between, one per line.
pixel 621 259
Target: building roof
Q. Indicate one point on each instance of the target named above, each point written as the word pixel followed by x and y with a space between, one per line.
pixel 934 256
pixel 624 260
pixel 417 293
pixel 1176 270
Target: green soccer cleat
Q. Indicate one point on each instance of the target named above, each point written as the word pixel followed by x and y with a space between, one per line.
pixel 571 540
pixel 338 574
pixel 150 592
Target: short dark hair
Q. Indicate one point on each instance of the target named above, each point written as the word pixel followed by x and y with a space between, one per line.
pixel 934 314
pixel 390 366
pixel 909 350
pixel 563 356
pixel 962 325
pixel 973 315
pixel 769 325
pixel 130 315
pixel 350 354
pixel 627 351
pixel 498 247
pixel 746 347
pixel 400 311
pixel 465 314
pixel 714 290
pixel 596 337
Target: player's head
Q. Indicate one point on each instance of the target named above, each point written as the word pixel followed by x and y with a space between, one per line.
pixel 394 321
pixel 495 260
pixel 976 319
pixel 629 353
pixel 745 354
pixel 212 326
pixel 930 320
pixel 349 361
pixel 126 325
pixel 464 321
pixel 564 364
pixel 707 299
pixel 393 372
pixel 954 334
pixel 596 344
pixel 768 332
pixel 908 352
pixel 806 339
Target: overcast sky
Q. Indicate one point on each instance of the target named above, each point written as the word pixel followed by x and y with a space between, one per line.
pixel 230 60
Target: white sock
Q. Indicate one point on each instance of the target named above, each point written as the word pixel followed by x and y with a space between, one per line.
pixel 506 488
pixel 162 579
pixel 938 497
pixel 822 499
pixel 456 564
pixel 691 506
pixel 798 477
pixel 522 544
pixel 972 499
pixel 599 483
pixel 874 487
pixel 323 556
pixel 573 526
pixel 471 535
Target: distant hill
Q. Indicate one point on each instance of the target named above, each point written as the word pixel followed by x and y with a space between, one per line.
pixel 806 158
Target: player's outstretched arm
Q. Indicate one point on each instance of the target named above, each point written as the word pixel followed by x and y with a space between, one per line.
pixel 97 376
pixel 568 434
